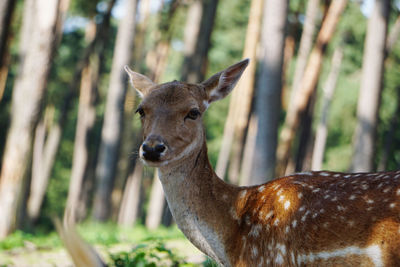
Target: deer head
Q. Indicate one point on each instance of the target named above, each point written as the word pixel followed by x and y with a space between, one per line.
pixel 171 113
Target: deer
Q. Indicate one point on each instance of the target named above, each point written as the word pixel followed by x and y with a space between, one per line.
pixel 312 218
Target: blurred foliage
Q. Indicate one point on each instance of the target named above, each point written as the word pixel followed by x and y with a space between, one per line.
pixel 226 48
pixel 148 255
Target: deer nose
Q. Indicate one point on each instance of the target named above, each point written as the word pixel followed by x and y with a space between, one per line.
pixel 152 150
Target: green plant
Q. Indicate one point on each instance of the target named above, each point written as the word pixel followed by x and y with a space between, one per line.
pixel 148 255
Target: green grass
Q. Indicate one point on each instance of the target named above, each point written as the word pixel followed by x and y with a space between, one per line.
pixel 95 233
pixel 119 246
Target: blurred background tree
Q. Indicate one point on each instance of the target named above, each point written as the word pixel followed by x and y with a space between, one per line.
pixel 69 137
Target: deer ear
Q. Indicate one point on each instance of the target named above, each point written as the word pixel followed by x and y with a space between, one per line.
pixel 141 83
pixel 221 84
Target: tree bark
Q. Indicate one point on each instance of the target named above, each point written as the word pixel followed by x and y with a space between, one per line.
pixel 306 42
pixel 322 128
pixel 45 150
pixel 371 88
pixel 268 100
pixel 393 36
pixel 308 83
pixel 113 114
pixel 28 92
pixel 156 204
pixel 240 103
pixel 6 13
pixel 390 136
pixel 86 113
pixel 156 59
pixel 129 209
pixel 195 63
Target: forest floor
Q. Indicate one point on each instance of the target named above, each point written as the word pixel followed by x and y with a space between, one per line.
pixel 32 255
pixel 23 249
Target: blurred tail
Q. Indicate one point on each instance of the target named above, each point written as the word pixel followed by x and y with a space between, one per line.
pixel 82 254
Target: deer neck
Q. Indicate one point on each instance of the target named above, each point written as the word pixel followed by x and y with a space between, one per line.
pixel 200 203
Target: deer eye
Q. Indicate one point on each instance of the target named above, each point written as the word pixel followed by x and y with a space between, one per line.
pixel 140 111
pixel 193 114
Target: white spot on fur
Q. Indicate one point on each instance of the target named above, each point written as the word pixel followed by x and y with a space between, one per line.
pixel 316 190
pixel 387 189
pixel 302 208
pixel 261 188
pixel 255 230
pixel 287 205
pixel 398 192
pixel 243 193
pixel 234 213
pixel 269 214
pixel 324 174
pixel 299 195
pixel 392 205
pixel 352 197
pixel 279 259
pixel 276 222
pixel 373 252
pixel 306 173
pixel 294 223
pixel 279 192
pixel 347 176
pixel 254 251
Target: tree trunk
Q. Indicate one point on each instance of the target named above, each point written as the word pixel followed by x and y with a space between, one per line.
pixel 45 150
pixel 113 114
pixel 156 204
pixel 129 209
pixel 249 152
pixel 156 59
pixel 308 83
pixel 195 63
pixel 28 92
pixel 390 136
pixel 393 36
pixel 370 89
pixel 322 128
pixel 268 100
pixel 6 13
pixel 86 113
pixel 305 46
pixel 139 51
pixel 240 103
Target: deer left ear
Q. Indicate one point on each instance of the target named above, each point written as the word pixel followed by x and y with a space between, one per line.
pixel 141 83
pixel 221 84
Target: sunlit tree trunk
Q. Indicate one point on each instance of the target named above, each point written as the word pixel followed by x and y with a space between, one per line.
pixel 129 209
pixel 269 86
pixel 306 43
pixel 371 88
pixel 28 92
pixel 113 114
pixel 86 114
pixel 6 13
pixel 199 26
pixel 156 204
pixel 322 128
pixel 240 103
pixel 44 154
pixel 156 59
pixel 308 83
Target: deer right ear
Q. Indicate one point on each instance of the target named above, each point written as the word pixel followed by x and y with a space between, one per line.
pixel 141 83
pixel 221 84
